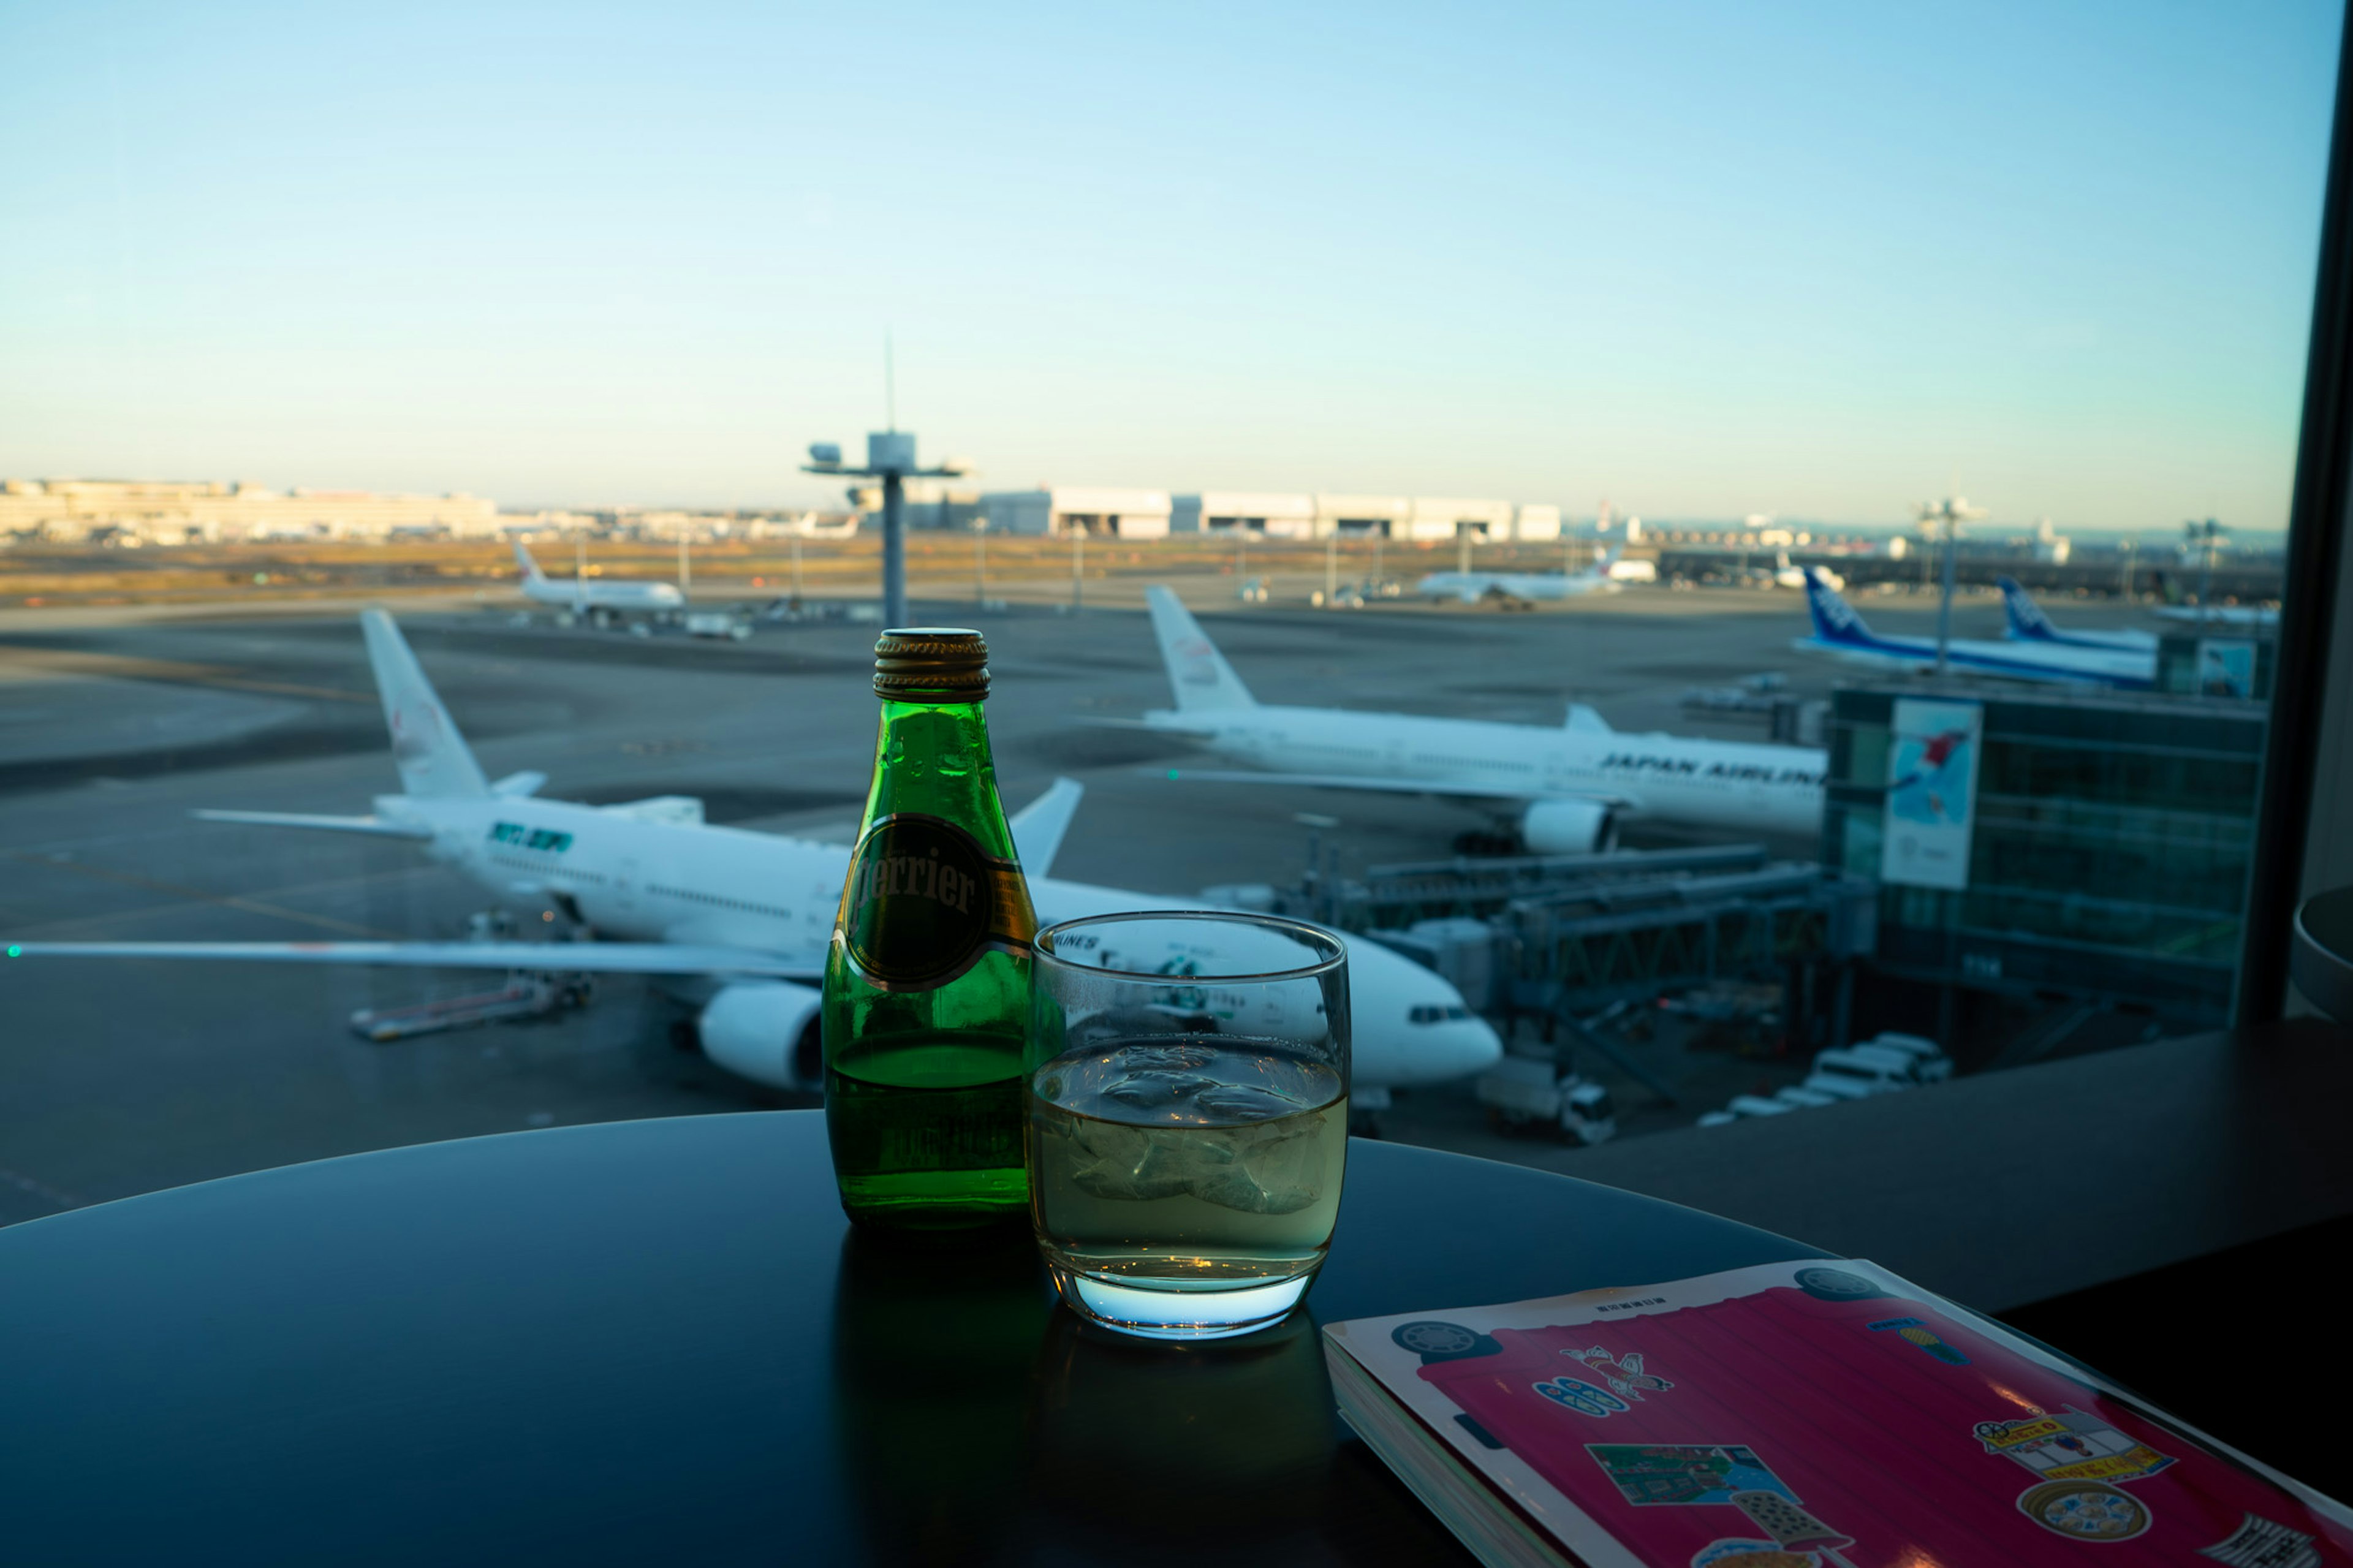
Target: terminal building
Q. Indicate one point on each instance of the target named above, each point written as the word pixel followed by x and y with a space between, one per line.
pixel 2068 850
pixel 1078 508
pixel 123 511
pixel 1272 514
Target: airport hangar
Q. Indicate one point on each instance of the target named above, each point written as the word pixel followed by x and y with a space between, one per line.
pixel 1156 514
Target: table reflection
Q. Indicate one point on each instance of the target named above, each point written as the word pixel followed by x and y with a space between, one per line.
pixel 1211 1451
pixel 933 1354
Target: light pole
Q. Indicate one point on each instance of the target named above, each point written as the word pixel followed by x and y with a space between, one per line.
pixel 1951 512
pixel 2206 533
pixel 891 457
pixel 980 559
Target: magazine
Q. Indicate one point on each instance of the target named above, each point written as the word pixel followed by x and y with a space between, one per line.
pixel 1812 1415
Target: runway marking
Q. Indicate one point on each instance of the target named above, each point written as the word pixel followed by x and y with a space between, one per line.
pixel 63 931
pixel 197 895
pixel 68 664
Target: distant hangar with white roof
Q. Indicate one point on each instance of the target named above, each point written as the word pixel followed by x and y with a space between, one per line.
pixel 1275 514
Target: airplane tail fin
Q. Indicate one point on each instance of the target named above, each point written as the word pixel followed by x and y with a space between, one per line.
pixel 1606 559
pixel 531 572
pixel 1038 827
pixel 1584 718
pixel 1835 620
pixel 425 746
pixel 2027 621
pixel 1197 672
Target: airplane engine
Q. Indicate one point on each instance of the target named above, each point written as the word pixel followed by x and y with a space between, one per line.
pixel 1569 827
pixel 766 1030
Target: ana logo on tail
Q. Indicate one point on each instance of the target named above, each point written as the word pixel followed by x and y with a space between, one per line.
pixel 1834 618
pixel 2026 616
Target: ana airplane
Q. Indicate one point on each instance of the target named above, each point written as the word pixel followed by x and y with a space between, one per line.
pixel 584 597
pixel 1842 634
pixel 1562 791
pixel 734 923
pixel 1524 587
pixel 2028 623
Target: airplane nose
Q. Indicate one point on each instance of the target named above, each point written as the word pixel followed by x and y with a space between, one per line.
pixel 1472 1046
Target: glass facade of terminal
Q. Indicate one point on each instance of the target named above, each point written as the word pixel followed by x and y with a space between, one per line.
pixel 2108 853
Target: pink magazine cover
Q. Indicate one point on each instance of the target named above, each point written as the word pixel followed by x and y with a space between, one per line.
pixel 1826 1415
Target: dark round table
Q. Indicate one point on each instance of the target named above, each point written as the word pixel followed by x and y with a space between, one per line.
pixel 660 1341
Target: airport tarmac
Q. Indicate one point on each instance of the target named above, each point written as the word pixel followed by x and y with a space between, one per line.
pixel 124 1077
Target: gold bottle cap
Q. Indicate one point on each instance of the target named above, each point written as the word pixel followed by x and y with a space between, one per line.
pixel 931 664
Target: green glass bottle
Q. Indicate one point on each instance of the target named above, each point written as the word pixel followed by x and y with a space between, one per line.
pixel 927 981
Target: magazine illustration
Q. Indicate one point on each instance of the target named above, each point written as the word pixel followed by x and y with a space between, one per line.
pixel 1825 1415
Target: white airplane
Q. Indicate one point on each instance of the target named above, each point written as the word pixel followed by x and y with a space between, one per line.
pixel 1842 634
pixel 732 921
pixel 1788 576
pixel 1526 587
pixel 810 525
pixel 1563 790
pixel 2235 617
pixel 584 597
pixel 2028 623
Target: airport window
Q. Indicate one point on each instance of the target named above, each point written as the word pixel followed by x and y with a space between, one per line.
pixel 1530 526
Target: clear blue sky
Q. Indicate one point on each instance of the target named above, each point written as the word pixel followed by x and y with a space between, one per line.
pixel 1703 259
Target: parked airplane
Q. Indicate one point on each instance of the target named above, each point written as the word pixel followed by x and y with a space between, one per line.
pixel 1563 791
pixel 2028 623
pixel 2236 617
pixel 1788 576
pixel 584 597
pixel 1840 633
pixel 734 922
pixel 1524 587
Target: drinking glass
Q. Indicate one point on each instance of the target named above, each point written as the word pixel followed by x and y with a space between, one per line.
pixel 1187 1116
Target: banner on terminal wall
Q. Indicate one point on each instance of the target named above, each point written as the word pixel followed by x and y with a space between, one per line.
pixel 2226 667
pixel 1932 793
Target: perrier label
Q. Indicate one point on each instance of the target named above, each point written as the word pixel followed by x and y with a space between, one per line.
pixel 927 981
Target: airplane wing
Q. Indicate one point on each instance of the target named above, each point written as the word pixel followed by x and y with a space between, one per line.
pixel 562 957
pixel 1429 788
pixel 374 827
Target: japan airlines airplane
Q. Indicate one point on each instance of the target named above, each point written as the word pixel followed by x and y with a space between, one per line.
pixel 1563 790
pixel 1527 587
pixel 1842 634
pixel 2028 623
pixel 2234 617
pixel 582 596
pixel 732 921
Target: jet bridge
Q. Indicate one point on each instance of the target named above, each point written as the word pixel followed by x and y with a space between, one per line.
pixel 1567 936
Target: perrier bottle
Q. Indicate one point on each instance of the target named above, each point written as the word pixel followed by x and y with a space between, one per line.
pixel 927 981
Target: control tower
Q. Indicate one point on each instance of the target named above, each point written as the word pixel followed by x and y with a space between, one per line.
pixel 891 457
